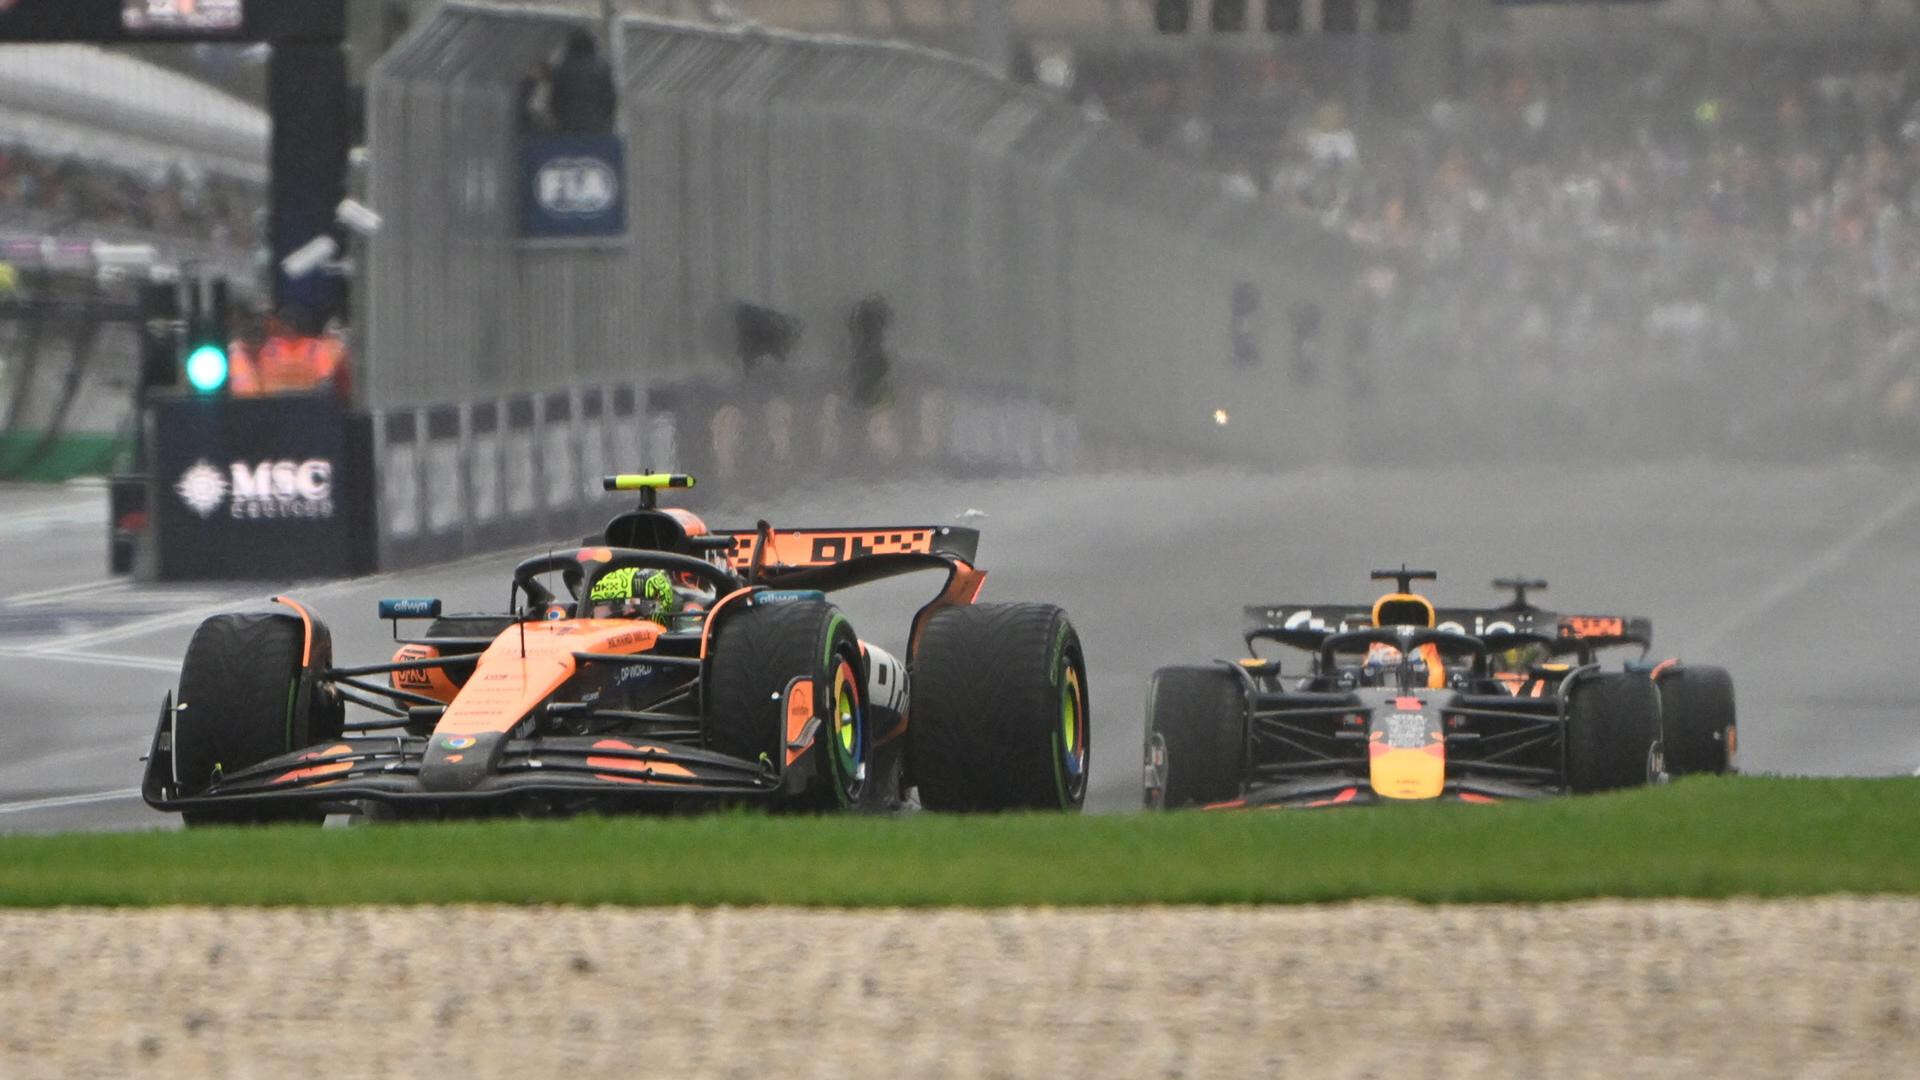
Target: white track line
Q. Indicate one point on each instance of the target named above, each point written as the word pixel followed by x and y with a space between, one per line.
pixel 1825 563
pixel 139 663
pixel 46 595
pixel 59 801
pixel 151 624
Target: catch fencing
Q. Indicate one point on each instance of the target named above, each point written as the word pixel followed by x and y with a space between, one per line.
pixel 1046 279
pixel 1055 292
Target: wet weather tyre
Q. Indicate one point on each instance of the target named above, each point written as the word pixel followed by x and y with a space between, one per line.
pixel 1198 715
pixel 999 718
pixel 239 705
pixel 764 657
pixel 1697 720
pixel 1613 732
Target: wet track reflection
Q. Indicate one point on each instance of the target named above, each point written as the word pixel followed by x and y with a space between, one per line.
pixel 1799 581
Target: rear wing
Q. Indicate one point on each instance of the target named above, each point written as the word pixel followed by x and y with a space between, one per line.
pixel 796 549
pixel 1298 624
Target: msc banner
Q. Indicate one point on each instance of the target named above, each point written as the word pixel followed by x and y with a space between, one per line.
pixel 572 187
pixel 254 488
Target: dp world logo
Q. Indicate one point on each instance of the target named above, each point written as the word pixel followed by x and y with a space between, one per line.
pixel 577 186
pixel 202 488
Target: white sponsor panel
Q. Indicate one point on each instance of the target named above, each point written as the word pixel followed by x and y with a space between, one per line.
pixel 780 429
pixel 443 485
pixel 483 476
pixel 557 465
pixel 883 432
pixel 729 427
pixel 933 424
pixel 400 490
pixel 519 469
pixel 593 458
pixel 662 443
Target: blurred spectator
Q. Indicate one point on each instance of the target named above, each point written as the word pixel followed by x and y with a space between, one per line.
pixel 296 355
pixel 867 326
pixel 536 98
pixel 1666 212
pixel 583 101
pixel 761 333
pixel 43 193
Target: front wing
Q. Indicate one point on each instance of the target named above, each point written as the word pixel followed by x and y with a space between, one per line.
pixel 389 769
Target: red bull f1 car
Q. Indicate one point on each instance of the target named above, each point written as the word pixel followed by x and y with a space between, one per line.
pixel 1404 701
pixel 658 665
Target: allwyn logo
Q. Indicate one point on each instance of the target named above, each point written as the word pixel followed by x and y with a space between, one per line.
pixel 261 490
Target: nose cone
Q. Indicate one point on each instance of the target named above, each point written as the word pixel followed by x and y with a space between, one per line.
pixel 1407 749
pixel 456 762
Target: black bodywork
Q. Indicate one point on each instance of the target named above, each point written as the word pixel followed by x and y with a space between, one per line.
pixel 1312 733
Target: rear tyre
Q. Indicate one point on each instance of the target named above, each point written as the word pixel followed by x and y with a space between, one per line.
pixel 999 718
pixel 1697 720
pixel 1196 736
pixel 1613 732
pixel 239 705
pixel 764 657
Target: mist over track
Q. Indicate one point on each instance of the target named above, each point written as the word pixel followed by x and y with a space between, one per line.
pixel 1798 579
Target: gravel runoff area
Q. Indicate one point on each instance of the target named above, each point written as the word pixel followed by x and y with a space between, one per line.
pixel 1813 988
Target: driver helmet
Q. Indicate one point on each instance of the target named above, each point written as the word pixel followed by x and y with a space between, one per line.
pixel 1383 659
pixel 632 592
pixel 1521 658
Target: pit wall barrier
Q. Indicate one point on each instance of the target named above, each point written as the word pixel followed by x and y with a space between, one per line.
pixel 478 476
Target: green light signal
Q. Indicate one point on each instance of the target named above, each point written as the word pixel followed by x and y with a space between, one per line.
pixel 207 369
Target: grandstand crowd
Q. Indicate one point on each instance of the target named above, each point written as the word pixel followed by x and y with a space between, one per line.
pixel 1664 209
pixel 61 195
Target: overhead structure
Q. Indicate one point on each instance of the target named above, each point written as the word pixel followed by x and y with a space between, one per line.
pixel 306 91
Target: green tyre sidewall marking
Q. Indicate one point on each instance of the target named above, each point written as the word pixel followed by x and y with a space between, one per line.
pixel 293 695
pixel 1058 661
pixel 841 779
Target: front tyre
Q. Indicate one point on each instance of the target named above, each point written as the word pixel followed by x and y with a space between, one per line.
pixel 1196 749
pixel 240 704
pixel 999 718
pixel 1697 719
pixel 776 667
pixel 1613 732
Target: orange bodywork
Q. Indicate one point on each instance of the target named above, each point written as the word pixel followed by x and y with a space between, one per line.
pixel 326 769
pixel 628 766
pixel 1586 626
pixel 799 711
pixel 306 628
pixel 824 547
pixel 431 681
pixel 509 683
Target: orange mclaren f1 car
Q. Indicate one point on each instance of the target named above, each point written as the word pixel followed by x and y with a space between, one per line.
pixel 729 678
pixel 1403 701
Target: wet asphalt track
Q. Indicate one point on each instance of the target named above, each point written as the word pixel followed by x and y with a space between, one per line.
pixel 1803 581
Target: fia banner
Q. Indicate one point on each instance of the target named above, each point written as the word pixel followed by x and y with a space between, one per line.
pixel 572 187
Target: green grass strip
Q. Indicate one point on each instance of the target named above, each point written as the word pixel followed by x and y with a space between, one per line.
pixel 1698 838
